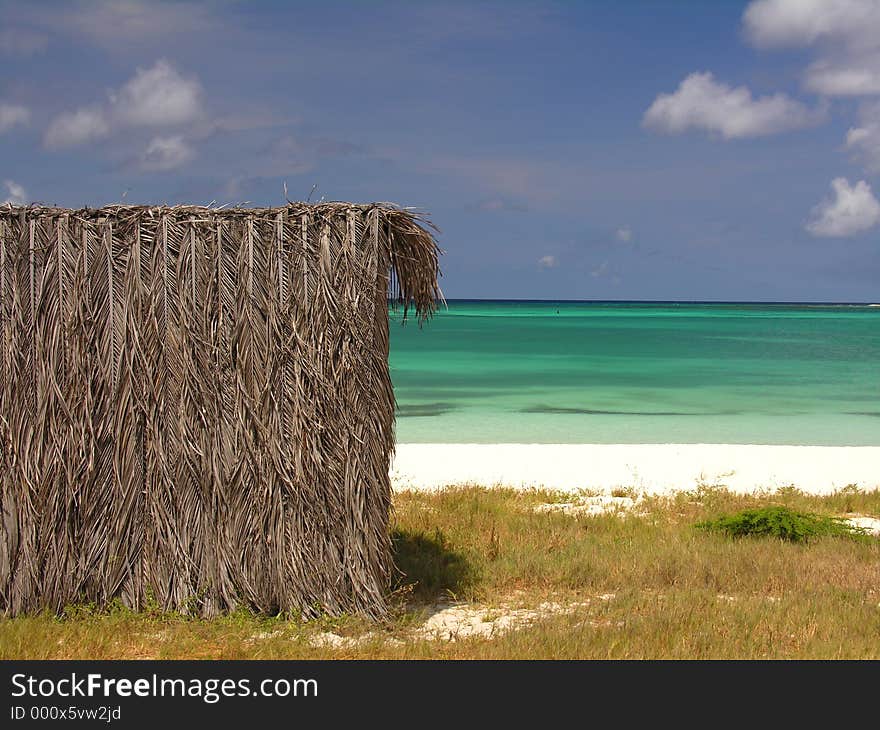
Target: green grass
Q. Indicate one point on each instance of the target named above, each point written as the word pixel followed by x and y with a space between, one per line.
pixel 677 592
pixel 782 523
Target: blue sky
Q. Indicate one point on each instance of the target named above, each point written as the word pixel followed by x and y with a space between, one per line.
pixel 578 150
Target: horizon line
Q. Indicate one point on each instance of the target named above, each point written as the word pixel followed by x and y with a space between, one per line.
pixel 657 301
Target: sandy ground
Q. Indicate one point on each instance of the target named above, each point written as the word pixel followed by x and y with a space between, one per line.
pixel 454 621
pixel 645 468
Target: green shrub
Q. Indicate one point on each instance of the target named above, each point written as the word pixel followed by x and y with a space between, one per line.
pixel 782 523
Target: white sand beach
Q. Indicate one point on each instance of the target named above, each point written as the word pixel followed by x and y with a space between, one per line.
pixel 648 468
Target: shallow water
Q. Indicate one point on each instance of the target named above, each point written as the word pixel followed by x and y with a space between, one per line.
pixel 576 372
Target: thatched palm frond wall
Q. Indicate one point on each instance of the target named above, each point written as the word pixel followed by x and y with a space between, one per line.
pixel 196 407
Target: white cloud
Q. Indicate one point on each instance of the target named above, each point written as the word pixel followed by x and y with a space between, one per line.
pixel 497 205
pixel 771 23
pixel 16 193
pixel 851 210
pixel 166 153
pixel 701 102
pixel 624 234
pixel 12 115
pixel 121 26
pixel 847 33
pixel 158 96
pixel 548 262
pixel 119 23
pixel 76 127
pixel 515 178
pixel 864 140
pixel 154 97
pixel 600 270
pixel 858 76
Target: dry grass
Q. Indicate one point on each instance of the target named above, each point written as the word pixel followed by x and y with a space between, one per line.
pixel 646 585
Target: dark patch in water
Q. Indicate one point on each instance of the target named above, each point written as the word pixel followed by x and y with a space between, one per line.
pixel 593 412
pixel 876 414
pixel 424 410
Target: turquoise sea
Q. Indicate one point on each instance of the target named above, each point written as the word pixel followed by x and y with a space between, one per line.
pixel 599 372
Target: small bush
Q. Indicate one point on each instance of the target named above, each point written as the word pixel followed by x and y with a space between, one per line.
pixel 782 523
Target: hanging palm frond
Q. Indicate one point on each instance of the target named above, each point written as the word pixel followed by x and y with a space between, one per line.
pixel 196 407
